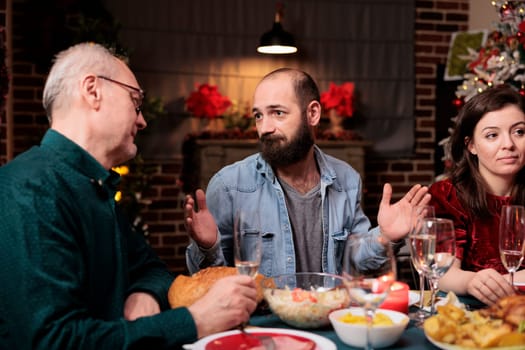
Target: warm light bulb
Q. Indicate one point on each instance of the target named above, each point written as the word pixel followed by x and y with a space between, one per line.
pixel 277 49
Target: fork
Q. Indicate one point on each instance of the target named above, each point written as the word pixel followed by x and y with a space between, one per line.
pixel 265 340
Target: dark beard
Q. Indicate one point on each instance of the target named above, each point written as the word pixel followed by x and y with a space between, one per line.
pixel 278 153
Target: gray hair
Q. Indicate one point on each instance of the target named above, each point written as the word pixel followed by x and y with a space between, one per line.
pixel 68 66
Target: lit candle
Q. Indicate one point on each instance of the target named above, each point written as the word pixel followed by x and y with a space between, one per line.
pixel 397 299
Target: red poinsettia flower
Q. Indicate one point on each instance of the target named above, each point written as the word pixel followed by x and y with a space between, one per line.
pixel 340 98
pixel 207 102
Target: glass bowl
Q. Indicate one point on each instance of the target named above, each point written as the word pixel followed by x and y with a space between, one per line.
pixel 304 300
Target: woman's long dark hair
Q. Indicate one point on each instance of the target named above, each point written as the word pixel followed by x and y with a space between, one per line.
pixel 465 174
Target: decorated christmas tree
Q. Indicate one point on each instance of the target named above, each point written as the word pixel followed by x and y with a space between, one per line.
pixel 501 60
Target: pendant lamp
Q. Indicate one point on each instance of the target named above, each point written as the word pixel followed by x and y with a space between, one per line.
pixel 277 40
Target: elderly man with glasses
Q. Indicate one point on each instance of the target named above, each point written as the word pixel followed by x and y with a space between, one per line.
pixel 75 276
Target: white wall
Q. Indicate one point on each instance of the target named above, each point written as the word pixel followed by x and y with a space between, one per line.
pixel 482 15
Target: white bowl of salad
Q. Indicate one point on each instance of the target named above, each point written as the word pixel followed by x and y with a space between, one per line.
pixel 305 299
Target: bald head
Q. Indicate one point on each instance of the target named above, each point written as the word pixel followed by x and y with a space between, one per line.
pixel 304 86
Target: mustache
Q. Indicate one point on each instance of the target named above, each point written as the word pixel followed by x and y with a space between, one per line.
pixel 268 138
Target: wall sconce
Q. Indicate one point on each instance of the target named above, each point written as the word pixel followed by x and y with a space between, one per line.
pixel 277 40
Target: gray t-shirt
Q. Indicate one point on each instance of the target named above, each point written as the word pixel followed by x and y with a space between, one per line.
pixel 305 217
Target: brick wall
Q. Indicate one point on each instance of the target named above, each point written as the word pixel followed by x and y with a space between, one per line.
pixel 435 22
pixel 3 149
pixel 30 121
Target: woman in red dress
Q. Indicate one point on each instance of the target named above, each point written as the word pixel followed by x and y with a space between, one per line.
pixel 488 153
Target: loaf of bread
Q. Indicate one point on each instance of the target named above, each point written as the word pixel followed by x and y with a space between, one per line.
pixel 185 290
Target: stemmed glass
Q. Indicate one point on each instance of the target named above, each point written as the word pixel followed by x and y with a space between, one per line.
pixel 247 242
pixel 512 238
pixel 419 212
pixel 247 248
pixel 369 271
pixel 435 251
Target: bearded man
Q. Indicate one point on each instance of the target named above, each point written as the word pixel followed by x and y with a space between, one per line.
pixel 308 202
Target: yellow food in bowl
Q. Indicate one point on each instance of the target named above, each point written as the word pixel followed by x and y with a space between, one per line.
pixel 379 319
pixel 355 334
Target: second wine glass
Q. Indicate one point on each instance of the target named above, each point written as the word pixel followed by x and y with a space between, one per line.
pixel 435 250
pixel 369 271
pixel 418 213
pixel 512 238
pixel 247 242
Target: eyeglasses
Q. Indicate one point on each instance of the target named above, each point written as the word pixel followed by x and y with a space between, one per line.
pixel 137 100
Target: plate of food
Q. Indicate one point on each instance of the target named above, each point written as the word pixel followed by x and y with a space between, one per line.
pixel 498 327
pixel 289 339
pixel 446 346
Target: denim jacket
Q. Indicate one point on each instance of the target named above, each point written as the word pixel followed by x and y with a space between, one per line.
pixel 251 184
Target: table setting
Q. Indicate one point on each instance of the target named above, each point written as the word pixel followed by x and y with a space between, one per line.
pixel 264 321
pixel 366 307
pixel 298 306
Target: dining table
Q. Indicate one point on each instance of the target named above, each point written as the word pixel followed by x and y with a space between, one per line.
pixel 413 338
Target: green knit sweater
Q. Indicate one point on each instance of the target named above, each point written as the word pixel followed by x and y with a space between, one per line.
pixel 68 260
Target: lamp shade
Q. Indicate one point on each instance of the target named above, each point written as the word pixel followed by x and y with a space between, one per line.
pixel 277 40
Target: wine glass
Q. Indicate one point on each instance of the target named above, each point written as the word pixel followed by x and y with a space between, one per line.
pixel 247 251
pixel 418 212
pixel 435 251
pixel 247 242
pixel 369 271
pixel 512 238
